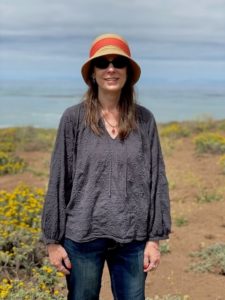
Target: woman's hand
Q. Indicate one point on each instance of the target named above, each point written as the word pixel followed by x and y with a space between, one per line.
pixel 151 255
pixel 59 258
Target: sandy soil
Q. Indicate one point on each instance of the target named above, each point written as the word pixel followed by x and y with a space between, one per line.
pixel 189 174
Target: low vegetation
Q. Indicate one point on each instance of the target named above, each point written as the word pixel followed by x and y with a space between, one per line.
pixel 170 297
pixel 165 247
pixel 209 142
pixel 26 139
pixel 206 196
pixel 210 259
pixel 14 140
pixel 180 221
pixel 11 164
pixel 21 254
pixel 174 130
pixel 24 271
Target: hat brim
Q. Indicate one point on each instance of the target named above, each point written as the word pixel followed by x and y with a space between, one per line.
pixel 136 70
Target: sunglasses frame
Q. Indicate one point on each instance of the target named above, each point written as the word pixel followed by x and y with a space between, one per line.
pixel 119 62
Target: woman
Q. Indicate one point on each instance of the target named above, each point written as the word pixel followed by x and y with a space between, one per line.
pixel 107 198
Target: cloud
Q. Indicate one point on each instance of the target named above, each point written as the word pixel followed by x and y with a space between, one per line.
pixel 144 17
pixel 56 31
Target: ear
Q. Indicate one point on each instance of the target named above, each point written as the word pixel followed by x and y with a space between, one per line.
pixel 93 78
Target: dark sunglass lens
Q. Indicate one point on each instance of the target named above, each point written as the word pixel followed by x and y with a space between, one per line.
pixel 120 62
pixel 101 63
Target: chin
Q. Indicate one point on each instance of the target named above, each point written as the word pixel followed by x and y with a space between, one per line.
pixel 114 87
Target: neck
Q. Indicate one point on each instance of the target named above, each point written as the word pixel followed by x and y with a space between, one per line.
pixel 109 101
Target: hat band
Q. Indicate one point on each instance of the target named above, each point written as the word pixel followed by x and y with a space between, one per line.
pixel 110 41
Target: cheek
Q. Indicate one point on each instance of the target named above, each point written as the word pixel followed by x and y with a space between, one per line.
pixel 99 80
pixel 124 76
pixel 97 73
pixel 124 72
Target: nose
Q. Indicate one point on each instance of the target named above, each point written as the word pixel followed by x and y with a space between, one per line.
pixel 111 67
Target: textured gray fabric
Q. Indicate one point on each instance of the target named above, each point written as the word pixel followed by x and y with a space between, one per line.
pixel 105 188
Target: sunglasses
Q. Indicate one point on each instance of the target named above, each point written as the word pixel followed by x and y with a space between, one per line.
pixel 118 62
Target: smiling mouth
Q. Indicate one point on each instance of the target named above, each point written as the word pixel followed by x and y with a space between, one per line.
pixel 111 79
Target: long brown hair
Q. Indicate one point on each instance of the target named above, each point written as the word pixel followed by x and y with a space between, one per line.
pixel 127 107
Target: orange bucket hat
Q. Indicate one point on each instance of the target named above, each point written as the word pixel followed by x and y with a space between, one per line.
pixel 110 44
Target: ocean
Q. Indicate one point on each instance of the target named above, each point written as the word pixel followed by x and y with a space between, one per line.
pixel 41 103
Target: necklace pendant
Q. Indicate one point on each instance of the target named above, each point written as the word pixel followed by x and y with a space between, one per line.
pixel 113 131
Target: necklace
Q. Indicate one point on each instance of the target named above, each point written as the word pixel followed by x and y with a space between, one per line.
pixel 113 126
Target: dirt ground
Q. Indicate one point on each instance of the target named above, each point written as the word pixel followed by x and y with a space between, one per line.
pixel 189 174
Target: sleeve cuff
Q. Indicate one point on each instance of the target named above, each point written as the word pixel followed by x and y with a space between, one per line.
pixel 158 238
pixel 47 241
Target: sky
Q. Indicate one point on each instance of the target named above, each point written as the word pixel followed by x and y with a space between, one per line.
pixel 172 40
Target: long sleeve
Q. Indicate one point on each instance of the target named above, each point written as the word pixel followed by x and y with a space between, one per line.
pixel 60 182
pixel 160 219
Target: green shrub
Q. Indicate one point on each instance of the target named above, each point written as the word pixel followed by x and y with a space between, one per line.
pixel 19 230
pixel 8 139
pixel 35 139
pixel 7 146
pixel 211 259
pixel 210 142
pixel 10 164
pixel 208 197
pixel 174 130
pixel 203 124
pixel 24 272
pixel 42 286
pixel 164 247
pixel 221 125
pixel 181 221
pixel 26 139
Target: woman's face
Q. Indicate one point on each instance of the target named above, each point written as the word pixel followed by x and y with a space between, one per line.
pixel 110 73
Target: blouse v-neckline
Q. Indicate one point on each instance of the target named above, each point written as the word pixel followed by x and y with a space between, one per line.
pixel 107 132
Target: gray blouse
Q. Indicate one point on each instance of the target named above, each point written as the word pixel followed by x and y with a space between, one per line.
pixel 101 187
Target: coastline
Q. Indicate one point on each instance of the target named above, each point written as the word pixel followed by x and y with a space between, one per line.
pixel 40 104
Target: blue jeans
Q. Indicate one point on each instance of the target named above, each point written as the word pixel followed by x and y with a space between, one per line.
pixel 125 264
